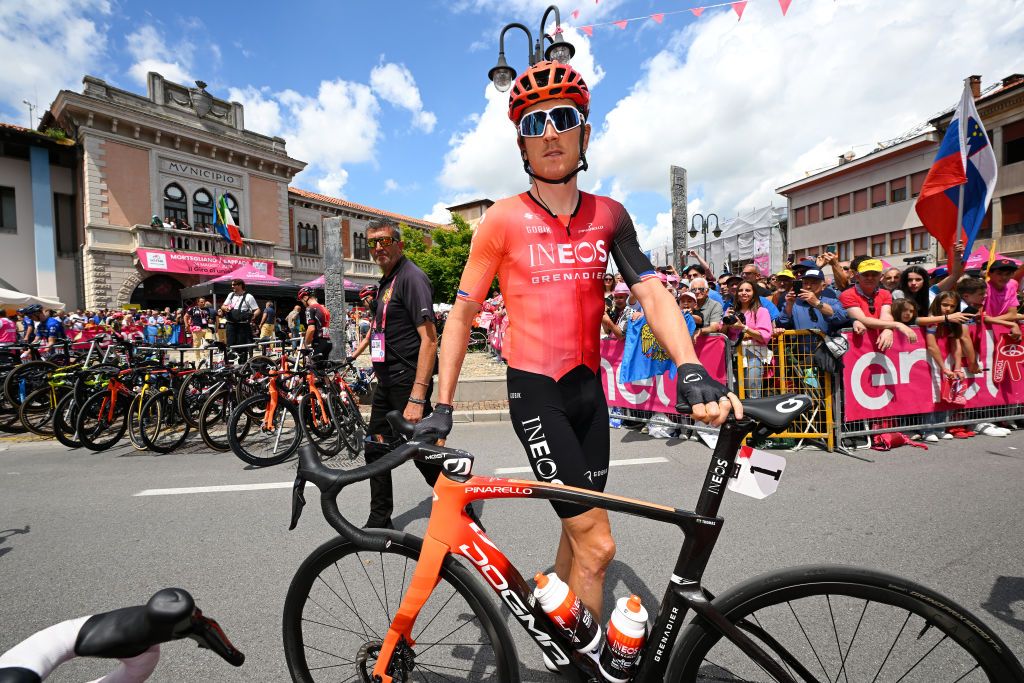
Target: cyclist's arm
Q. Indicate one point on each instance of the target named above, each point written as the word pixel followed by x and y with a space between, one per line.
pixel 361 346
pixel 485 253
pixel 454 343
pixel 425 360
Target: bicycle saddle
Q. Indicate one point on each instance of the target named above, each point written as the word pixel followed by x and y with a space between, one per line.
pixel 776 412
pixel 130 631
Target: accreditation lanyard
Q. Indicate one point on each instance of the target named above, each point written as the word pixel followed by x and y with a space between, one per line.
pixel 377 336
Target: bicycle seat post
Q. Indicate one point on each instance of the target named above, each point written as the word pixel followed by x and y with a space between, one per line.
pixel 730 439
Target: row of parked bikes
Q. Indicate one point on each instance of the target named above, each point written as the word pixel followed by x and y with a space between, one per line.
pixel 90 395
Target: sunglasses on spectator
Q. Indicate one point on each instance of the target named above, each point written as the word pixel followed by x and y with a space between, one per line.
pixel 374 242
pixel 698 289
pixel 563 118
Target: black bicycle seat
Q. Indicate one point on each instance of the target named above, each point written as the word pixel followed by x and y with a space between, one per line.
pixel 776 412
pixel 130 631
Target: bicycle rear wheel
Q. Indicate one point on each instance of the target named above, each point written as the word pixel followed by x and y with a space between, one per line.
pixel 37 410
pixel 320 419
pixel 163 428
pixel 26 378
pixel 65 415
pixel 342 600
pixel 353 426
pixel 255 443
pixel 845 623
pixel 213 420
pixel 100 426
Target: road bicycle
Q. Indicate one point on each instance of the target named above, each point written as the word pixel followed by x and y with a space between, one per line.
pixel 131 634
pixel 329 412
pixel 381 605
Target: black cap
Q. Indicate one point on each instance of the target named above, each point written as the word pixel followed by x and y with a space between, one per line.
pixel 1002 264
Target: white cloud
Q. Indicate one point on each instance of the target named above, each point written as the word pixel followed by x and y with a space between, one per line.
pixel 748 106
pixel 47 46
pixel 657 235
pixel 311 124
pixel 153 51
pixel 395 84
pixel 390 185
pixel 483 160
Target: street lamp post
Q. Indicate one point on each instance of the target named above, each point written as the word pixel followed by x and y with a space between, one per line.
pixel 558 49
pixel 700 223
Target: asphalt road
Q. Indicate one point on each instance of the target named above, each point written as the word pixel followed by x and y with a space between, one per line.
pixel 75 539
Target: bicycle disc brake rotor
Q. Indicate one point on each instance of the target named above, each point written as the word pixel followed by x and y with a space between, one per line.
pixel 402 663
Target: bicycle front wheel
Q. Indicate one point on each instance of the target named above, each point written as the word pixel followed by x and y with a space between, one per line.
pixel 162 427
pixel 65 416
pixel 261 444
pixel 99 423
pixel 318 415
pixel 844 623
pixel 342 600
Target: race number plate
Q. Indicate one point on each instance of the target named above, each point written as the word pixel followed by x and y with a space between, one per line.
pixel 759 473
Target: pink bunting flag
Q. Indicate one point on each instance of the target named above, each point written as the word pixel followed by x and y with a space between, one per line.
pixel 697 11
pixel 589 30
pixel 621 24
pixel 784 4
pixel 738 8
pixel 658 17
pixel 575 14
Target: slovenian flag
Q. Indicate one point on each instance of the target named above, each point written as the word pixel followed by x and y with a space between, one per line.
pixel 225 224
pixel 965 163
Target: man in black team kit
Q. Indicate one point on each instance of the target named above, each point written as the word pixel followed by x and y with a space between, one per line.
pixel 318 324
pixel 403 348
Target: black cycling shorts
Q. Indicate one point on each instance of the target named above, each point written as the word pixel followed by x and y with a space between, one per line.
pixel 563 426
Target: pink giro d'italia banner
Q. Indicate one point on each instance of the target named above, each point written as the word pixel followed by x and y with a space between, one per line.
pixel 161 261
pixel 904 380
pixel 657 394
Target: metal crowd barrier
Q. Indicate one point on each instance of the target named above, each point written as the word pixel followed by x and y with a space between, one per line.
pixel 785 366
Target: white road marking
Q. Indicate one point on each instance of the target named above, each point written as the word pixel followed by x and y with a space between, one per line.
pixel 230 488
pixel 613 463
pixel 216 489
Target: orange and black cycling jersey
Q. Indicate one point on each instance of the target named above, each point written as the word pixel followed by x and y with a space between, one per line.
pixel 550 270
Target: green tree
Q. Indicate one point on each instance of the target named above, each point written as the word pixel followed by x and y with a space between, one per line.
pixel 442 261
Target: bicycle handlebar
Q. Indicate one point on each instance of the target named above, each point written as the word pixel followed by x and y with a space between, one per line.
pixel 126 634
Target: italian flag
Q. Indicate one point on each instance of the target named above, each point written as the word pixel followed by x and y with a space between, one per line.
pixel 225 224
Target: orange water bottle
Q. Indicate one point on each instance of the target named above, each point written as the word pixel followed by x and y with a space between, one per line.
pixel 627 631
pixel 568 613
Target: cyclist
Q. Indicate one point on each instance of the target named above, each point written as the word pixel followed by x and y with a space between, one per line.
pixel 318 324
pixel 552 243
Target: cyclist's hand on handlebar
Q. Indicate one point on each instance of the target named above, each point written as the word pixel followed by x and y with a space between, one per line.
pixel 437 425
pixel 710 401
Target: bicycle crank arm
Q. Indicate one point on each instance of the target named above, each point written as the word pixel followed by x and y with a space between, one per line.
pixel 699 603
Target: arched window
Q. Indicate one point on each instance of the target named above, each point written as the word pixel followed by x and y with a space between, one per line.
pixel 202 210
pixel 232 206
pixel 175 207
pixel 309 238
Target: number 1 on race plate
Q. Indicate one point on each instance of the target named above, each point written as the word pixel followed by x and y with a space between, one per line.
pixel 759 473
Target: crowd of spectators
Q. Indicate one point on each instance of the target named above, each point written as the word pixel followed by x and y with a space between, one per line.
pixel 826 295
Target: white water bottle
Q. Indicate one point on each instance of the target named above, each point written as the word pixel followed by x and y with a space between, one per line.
pixel 568 613
pixel 627 631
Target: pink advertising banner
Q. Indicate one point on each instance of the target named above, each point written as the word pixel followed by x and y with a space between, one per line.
pixel 904 380
pixel 161 261
pixel 657 394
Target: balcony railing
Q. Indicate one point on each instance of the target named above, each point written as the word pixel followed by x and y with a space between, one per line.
pixel 199 242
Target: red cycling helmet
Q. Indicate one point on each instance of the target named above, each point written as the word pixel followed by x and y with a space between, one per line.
pixel 368 291
pixel 303 293
pixel 548 81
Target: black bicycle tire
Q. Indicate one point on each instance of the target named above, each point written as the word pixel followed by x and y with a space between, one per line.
pixel 204 433
pixel 774 587
pixel 312 434
pixel 64 430
pixel 83 391
pixel 32 425
pixel 85 439
pixel 236 443
pixel 25 368
pixel 184 399
pixel 354 425
pixel 452 572
pixel 165 398
pixel 135 430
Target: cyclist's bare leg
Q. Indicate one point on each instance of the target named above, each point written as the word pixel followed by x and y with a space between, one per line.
pixel 592 549
pixel 563 558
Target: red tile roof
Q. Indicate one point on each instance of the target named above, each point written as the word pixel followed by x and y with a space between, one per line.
pixel 306 194
pixel 20 129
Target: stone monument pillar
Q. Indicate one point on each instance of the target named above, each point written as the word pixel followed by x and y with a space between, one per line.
pixel 680 224
pixel 334 287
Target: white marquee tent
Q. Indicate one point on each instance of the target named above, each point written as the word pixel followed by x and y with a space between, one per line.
pixel 11 298
pixel 755 237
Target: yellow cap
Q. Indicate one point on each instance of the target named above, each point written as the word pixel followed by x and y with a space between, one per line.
pixel 872 265
pixel 786 273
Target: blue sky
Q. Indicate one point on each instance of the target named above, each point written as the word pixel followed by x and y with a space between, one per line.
pixel 389 101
